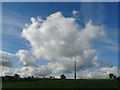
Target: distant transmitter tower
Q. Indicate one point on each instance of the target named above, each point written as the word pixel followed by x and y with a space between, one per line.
pixel 75 69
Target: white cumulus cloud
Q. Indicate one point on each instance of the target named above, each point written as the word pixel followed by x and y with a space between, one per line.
pixel 74 12
pixel 46 71
pixel 98 73
pixel 25 58
pixel 61 40
pixel 5 59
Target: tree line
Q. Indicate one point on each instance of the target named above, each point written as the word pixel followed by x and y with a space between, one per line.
pixel 62 76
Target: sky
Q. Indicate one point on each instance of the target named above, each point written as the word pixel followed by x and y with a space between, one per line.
pixel 43 39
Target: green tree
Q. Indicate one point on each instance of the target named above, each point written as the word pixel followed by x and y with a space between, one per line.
pixel 62 76
pixel 111 75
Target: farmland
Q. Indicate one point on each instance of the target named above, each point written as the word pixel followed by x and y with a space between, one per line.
pixel 58 83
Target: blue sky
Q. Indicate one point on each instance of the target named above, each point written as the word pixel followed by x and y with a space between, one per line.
pixel 15 15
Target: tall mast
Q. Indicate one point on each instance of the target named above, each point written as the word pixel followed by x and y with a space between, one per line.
pixel 75 69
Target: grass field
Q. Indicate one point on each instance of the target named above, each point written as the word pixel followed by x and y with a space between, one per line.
pixel 80 83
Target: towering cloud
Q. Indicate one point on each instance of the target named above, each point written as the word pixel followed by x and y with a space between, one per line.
pixel 61 40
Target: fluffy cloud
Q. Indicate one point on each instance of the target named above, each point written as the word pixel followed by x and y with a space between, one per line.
pixel 26 58
pixel 99 73
pixel 46 71
pixel 7 71
pixel 74 12
pixel 61 40
pixel 5 59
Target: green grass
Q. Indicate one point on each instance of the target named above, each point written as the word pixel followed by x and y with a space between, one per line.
pixel 69 83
